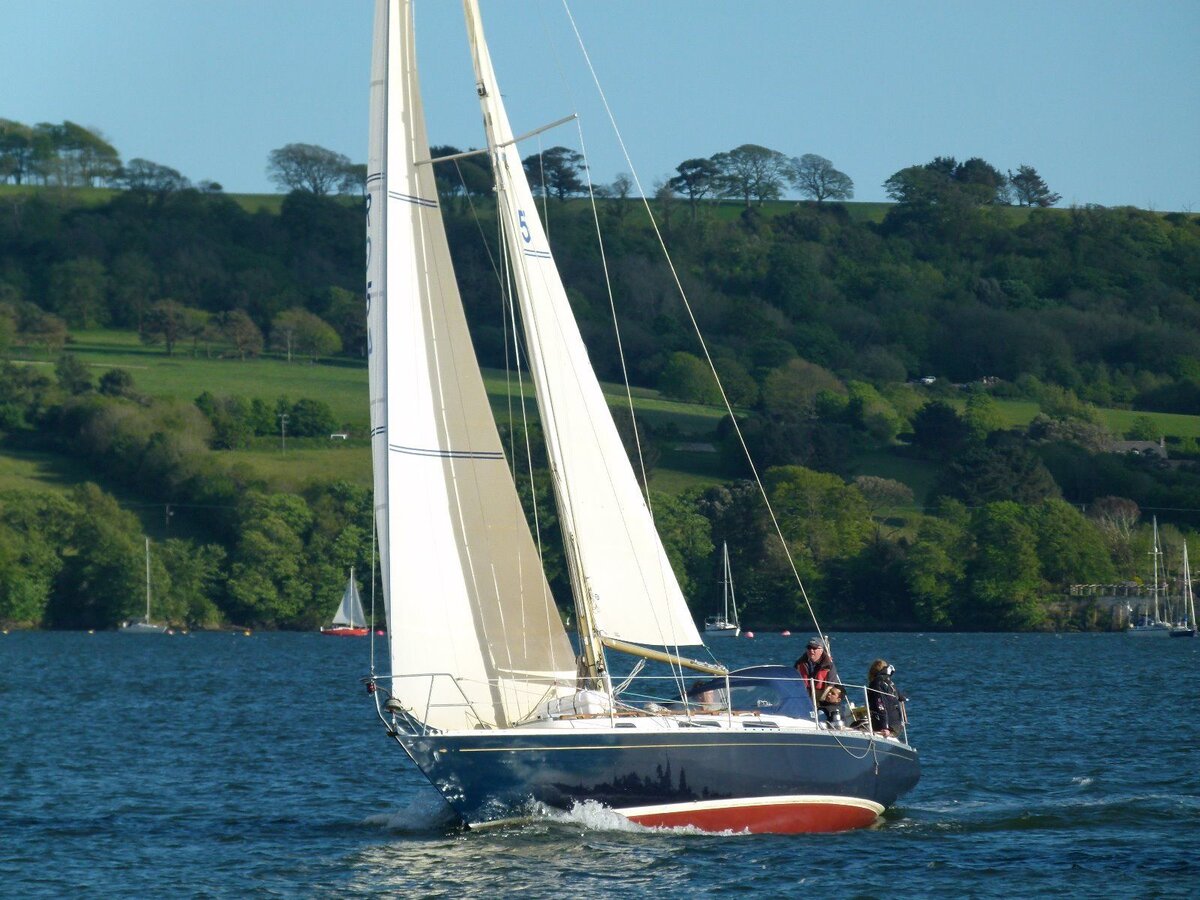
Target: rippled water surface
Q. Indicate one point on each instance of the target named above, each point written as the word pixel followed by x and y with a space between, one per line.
pixel 224 765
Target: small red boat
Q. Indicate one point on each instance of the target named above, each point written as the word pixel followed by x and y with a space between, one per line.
pixel 338 631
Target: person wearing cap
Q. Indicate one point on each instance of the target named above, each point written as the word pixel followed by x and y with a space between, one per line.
pixel 814 667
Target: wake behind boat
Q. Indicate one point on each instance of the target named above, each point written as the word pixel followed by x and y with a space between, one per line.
pixel 486 694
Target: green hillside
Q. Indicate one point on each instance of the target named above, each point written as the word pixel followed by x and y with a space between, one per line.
pixel 930 389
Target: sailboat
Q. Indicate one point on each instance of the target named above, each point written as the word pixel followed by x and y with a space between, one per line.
pixel 723 625
pixel 144 625
pixel 1149 623
pixel 486 694
pixel 349 620
pixel 1186 628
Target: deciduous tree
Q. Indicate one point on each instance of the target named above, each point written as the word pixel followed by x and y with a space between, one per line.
pixel 307 167
pixel 165 324
pixel 239 329
pixel 752 172
pixel 151 178
pixel 78 288
pixel 815 177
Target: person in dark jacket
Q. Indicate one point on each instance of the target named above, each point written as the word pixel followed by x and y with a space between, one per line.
pixel 830 701
pixel 885 700
pixel 814 667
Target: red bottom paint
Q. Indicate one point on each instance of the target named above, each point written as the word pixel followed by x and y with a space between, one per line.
pixel 775 818
pixel 345 632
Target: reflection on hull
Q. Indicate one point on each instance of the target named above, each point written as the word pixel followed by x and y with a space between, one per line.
pixel 714 780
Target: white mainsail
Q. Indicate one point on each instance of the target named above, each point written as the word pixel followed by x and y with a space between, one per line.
pixel 350 611
pixel 463 585
pixel 618 563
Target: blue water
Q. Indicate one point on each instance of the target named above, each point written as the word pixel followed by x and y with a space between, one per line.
pixel 220 765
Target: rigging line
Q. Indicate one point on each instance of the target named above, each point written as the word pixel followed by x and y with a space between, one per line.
pixel 555 324
pixel 573 104
pixel 545 193
pixel 612 306
pixel 479 225
pixel 373 539
pixel 695 325
pixel 581 590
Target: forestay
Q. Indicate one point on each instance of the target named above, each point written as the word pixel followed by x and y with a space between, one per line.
pixel 462 582
pixel 619 560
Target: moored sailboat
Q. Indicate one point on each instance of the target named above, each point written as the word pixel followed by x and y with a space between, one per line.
pixel 1148 622
pixel 485 693
pixel 724 625
pixel 144 625
pixel 349 620
pixel 1186 628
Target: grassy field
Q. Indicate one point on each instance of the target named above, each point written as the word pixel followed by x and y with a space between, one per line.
pixel 342 384
pixel 918 474
pixel 1019 413
pixel 293 468
pixel 25 470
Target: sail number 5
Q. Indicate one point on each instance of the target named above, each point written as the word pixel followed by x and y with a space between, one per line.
pixel 524 226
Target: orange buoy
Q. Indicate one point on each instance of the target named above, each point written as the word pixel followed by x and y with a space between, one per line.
pixel 748 634
pixel 785 633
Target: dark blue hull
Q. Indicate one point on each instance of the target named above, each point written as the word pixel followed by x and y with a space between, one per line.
pixel 816 781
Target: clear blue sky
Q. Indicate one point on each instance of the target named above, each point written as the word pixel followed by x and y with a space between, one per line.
pixel 1101 96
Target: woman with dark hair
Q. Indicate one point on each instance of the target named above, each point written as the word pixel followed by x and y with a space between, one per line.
pixel 884 702
pixel 814 667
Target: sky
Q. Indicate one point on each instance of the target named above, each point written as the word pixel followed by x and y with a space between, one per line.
pixel 1102 97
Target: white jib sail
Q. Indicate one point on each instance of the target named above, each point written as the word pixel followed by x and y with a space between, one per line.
pixel 635 595
pixel 463 585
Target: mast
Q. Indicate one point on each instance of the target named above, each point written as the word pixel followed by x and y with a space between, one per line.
pixel 1156 553
pixel 1189 600
pixel 147 580
pixel 730 598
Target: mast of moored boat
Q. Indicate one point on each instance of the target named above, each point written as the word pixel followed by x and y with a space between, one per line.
pixel 1189 600
pixel 1156 554
pixel 147 580
pixel 728 585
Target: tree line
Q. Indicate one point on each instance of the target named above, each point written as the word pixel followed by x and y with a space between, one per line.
pixel 992 542
pixel 819 321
